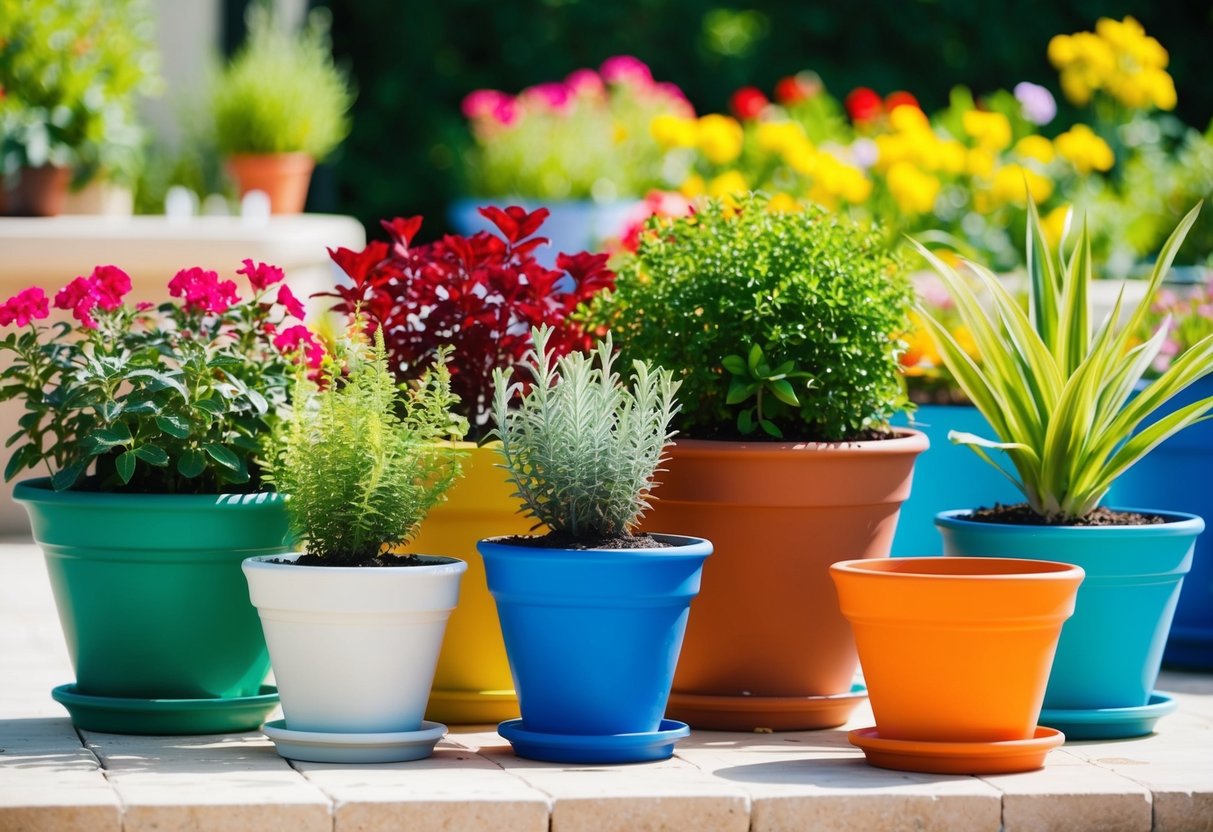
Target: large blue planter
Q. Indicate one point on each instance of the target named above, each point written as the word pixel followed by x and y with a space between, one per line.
pixel 593 636
pixel 1111 649
pixel 575 225
pixel 947 476
pixel 1178 476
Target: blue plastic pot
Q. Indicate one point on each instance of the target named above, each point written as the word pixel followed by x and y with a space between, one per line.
pixel 1175 476
pixel 1111 649
pixel 946 476
pixel 574 225
pixel 593 636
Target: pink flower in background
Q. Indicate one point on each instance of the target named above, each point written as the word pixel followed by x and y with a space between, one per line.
pixel 287 299
pixel 661 203
pixel 111 284
pixel 626 69
pixel 80 296
pixel 27 305
pixel 481 103
pixel 203 291
pixel 1035 102
pixel 585 82
pixel 262 275
pixel 554 96
pixel 677 98
pixel 932 290
pixel 144 306
pixel 301 340
pixel 505 111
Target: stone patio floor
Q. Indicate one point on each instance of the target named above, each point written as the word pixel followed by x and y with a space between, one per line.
pixel 54 778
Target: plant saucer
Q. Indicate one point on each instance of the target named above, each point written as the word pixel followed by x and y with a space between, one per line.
pixel 641 747
pixel 775 713
pixel 333 747
pixel 1006 757
pixel 130 715
pixel 1109 723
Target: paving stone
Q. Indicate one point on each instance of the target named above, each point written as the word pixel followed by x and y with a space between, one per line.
pixel 455 789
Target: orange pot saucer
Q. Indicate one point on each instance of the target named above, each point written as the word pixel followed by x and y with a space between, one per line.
pixel 472 707
pixel 774 713
pixel 1007 757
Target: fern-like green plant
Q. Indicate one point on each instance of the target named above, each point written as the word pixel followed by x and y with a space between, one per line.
pixel 1058 391
pixel 363 459
pixel 581 448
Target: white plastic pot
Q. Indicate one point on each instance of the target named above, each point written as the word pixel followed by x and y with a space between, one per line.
pixel 354 649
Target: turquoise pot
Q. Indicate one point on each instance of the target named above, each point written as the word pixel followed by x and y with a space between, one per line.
pixel 573 226
pixel 946 476
pixel 1111 650
pixel 149 589
pixel 1175 476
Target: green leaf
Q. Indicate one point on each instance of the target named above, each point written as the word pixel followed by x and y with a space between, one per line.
pixel 735 364
pixel 152 455
pixel 223 455
pixel 771 428
pixel 259 403
pixel 65 478
pixel 125 465
pixel 212 406
pixel 160 381
pixel 173 425
pixel 111 410
pixel 740 390
pixel 754 359
pixel 118 434
pixel 745 422
pixel 191 463
pixel 17 462
pixel 143 408
pixel 782 389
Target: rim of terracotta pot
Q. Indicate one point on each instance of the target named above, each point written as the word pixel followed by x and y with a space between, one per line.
pixel 905 440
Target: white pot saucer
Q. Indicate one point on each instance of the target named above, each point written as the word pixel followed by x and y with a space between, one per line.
pixel 331 747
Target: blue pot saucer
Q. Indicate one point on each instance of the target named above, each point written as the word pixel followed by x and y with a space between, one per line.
pixel 640 747
pixel 1109 723
pixel 166 717
pixel 333 747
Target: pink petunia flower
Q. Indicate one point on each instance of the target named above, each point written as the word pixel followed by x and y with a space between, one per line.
pixel 262 275
pixel 203 291
pixel 553 96
pixel 111 284
pixel 585 82
pixel 27 305
pixel 301 341
pixel 481 103
pixel 626 69
pixel 81 296
pixel 293 306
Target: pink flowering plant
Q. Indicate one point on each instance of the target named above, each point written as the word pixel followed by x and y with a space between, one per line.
pixel 584 137
pixel 1186 315
pixel 175 398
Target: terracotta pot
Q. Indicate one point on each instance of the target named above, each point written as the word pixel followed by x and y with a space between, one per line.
pixel 956 649
pixel 767 646
pixel 38 192
pixel 473 683
pixel 283 176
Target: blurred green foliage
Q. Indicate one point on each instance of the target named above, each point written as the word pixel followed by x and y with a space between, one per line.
pixel 414 64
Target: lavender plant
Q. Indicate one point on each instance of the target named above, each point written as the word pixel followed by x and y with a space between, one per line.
pixel 581 447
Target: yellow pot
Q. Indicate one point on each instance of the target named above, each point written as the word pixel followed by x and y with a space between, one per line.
pixel 473 683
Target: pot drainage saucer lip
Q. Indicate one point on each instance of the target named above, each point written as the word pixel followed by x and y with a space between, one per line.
pixel 1003 757
pixel 1109 723
pixel 640 747
pixel 166 717
pixel 756 713
pixel 335 747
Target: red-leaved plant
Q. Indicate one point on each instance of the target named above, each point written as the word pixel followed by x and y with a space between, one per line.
pixel 481 294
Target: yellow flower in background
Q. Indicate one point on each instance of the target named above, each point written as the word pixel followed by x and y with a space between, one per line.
pixel 720 138
pixel 1053 224
pixel 966 341
pixel 620 133
pixel 908 120
pixel 914 190
pixel 952 156
pixel 1084 150
pixel 837 179
pixel 673 131
pixel 729 183
pixel 992 131
pixel 779 136
pixel 1035 147
pixel 693 186
pixel 1119 58
pixel 1008 186
pixel 802 158
pixel 784 203
pixel 979 163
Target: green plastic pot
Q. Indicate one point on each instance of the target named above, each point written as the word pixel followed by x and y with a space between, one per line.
pixel 149 589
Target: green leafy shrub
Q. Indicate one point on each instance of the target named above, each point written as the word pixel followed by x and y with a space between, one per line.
pixel 581 448
pixel 281 93
pixel 361 457
pixel 1057 391
pixel 820 297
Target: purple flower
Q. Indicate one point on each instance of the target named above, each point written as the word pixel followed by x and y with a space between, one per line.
pixel 1036 102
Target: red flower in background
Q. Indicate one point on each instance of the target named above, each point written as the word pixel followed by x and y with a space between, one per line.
pixel 203 291
pixel 481 294
pixel 748 103
pixel 796 88
pixel 104 288
pixel 301 342
pixel 25 306
pixel 261 275
pixel 863 105
pixel 287 300
pixel 901 98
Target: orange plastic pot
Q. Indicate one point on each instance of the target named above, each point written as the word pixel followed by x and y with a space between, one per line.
pixel 767 646
pixel 472 684
pixel 956 649
pixel 284 177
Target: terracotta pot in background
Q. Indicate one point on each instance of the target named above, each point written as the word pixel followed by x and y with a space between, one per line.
pixel 767 646
pixel 283 176
pixel 37 192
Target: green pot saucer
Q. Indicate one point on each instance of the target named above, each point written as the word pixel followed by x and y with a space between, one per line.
pixel 123 715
